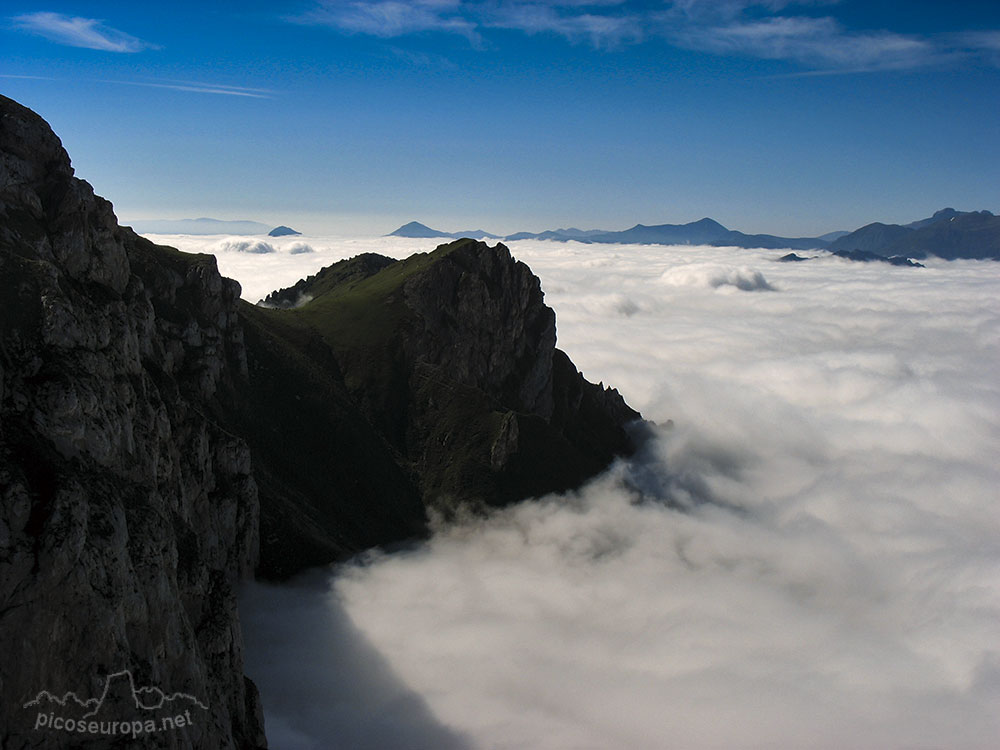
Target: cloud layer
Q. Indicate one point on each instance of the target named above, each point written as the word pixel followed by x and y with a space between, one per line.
pixel 808 558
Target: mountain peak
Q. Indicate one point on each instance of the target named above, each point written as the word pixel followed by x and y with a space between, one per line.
pixel 450 357
pixel 414 225
pixel 417 230
pixel 707 222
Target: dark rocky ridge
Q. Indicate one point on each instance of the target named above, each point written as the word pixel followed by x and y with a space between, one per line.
pixel 160 439
pixel 445 366
pixel 865 256
pixel 128 514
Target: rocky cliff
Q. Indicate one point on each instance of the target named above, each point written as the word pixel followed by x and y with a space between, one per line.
pixel 127 513
pixel 449 360
pixel 161 439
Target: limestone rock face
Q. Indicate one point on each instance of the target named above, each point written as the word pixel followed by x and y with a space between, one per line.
pixel 127 513
pixel 483 315
pixel 450 356
pixel 160 439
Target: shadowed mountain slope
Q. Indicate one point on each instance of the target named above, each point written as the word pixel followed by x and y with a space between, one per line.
pixel 129 510
pixel 161 439
pixel 450 357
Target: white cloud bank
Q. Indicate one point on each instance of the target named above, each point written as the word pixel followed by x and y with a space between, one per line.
pixel 715 275
pixel 242 245
pixel 832 581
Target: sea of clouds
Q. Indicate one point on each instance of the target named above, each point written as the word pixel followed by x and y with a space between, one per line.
pixel 808 558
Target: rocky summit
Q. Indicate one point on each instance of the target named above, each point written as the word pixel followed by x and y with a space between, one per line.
pixel 443 387
pixel 160 439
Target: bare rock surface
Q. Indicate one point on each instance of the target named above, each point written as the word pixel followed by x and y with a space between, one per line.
pixel 127 513
pixel 161 440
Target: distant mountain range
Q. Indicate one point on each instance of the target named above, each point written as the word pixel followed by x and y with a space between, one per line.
pixel 861 256
pixel 703 232
pixel 947 234
pixel 206 225
pixel 418 230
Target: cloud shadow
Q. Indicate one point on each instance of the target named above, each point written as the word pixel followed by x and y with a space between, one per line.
pixel 323 685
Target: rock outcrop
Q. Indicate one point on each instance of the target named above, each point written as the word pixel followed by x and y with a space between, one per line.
pixel 127 513
pixel 450 358
pixel 160 440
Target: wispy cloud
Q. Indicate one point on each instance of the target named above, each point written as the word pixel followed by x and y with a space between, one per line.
pixel 196 87
pixel 201 88
pixel 74 31
pixel 575 20
pixel 987 40
pixel 570 20
pixel 28 78
pixel 819 43
pixel 983 44
pixel 390 18
pixel 803 32
pixel 424 60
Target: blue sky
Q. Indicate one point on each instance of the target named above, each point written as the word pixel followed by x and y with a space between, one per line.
pixel 792 118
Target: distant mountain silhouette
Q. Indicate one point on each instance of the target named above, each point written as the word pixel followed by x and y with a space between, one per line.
pixel 282 231
pixel 420 231
pixel 865 256
pixel 203 225
pixel 562 235
pixel 948 234
pixel 476 234
pixel 974 235
pixel 702 232
pixel 833 236
pixel 862 256
pixel 943 215
pixel 872 238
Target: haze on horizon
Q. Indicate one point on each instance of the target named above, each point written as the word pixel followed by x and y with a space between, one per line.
pixel 792 118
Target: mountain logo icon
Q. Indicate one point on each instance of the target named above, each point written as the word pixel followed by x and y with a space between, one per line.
pixel 122 708
pixel 145 698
